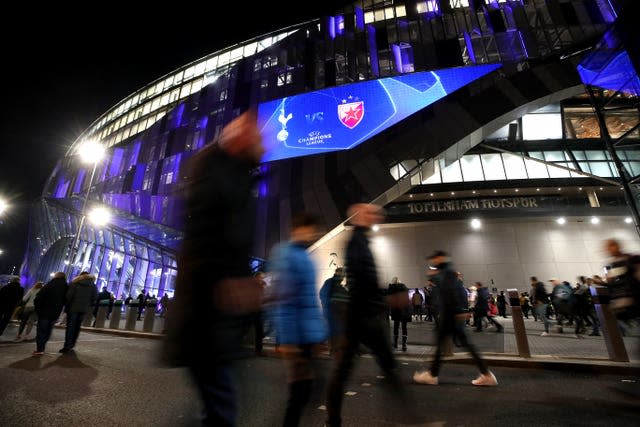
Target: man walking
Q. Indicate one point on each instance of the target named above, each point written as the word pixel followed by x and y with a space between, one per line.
pixel 540 301
pixel 10 295
pixel 364 322
pixel 453 315
pixel 81 295
pixel 335 299
pixel 215 292
pixel 48 305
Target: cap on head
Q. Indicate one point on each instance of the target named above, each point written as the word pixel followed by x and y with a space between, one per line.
pixel 437 254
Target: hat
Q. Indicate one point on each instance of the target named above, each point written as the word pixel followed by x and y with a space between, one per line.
pixel 437 253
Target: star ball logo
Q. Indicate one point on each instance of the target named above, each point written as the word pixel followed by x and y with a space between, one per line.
pixel 351 112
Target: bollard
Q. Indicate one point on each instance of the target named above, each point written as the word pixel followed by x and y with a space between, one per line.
pixel 149 315
pixel 116 313
pixel 103 306
pixel 132 315
pixel 518 323
pixel 609 324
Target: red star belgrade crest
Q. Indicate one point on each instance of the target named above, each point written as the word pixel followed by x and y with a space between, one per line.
pixel 351 114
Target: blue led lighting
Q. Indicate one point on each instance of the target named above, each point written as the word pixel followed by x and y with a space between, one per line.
pixel 340 118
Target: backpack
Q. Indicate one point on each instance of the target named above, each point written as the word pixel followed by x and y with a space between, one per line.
pixel 564 298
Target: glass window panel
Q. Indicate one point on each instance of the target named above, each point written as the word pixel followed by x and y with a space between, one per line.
pixel 502 133
pixel 493 168
pixel 141 250
pixel 601 169
pixel 250 49
pixel 541 126
pixel 140 276
pixel 368 17
pixel 514 166
pixel 197 85
pixel 236 53
pixel 401 11
pixel 223 59
pixel 188 73
pixel 559 173
pixel 579 155
pixel 633 154
pixel 435 178
pixel 452 173
pixel 634 167
pixel 199 70
pixel 379 16
pixel 388 13
pixel 554 156
pixel 130 247
pixel 584 166
pixel 536 155
pixel 595 155
pixel 471 168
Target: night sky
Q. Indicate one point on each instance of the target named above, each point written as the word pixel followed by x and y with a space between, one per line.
pixel 64 66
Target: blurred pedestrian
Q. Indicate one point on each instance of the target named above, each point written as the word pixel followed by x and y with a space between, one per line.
pixel 482 309
pixel 81 296
pixel 28 315
pixel 48 304
pixel 335 299
pixel 299 324
pixel 400 310
pixel 10 295
pixel 453 315
pixel 215 292
pixel 365 316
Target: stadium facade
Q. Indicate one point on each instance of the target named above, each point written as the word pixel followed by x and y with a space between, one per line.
pixel 443 111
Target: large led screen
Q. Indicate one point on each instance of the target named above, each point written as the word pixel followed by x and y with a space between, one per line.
pixel 339 118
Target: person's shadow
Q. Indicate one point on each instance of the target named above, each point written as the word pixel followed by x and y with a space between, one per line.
pixel 72 377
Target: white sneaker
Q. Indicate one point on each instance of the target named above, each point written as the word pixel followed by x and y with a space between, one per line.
pixel 487 379
pixel 545 334
pixel 425 377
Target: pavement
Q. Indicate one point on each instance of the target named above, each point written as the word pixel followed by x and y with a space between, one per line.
pixel 114 380
pixel 557 351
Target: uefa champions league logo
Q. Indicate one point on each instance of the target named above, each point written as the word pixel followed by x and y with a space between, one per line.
pixel 283 134
pixel 351 113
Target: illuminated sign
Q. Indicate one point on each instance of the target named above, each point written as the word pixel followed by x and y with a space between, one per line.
pixel 339 118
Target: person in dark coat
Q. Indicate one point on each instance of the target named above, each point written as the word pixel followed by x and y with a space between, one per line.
pixel 401 310
pixel 335 299
pixel 365 316
pixel 481 309
pixel 81 295
pixel 48 303
pixel 453 309
pixel 10 295
pixel 215 292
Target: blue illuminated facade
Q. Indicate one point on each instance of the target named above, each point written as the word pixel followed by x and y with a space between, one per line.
pixel 373 87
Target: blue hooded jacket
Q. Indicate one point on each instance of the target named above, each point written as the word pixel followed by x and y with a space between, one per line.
pixel 298 317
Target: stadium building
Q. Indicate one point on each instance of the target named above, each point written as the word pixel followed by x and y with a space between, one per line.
pixel 468 120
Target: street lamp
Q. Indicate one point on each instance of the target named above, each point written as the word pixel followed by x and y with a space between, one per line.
pixel 89 152
pixel 3 206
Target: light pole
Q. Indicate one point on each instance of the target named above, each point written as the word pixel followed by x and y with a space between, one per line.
pixel 89 152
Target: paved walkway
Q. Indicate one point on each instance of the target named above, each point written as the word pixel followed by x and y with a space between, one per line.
pixel 421 340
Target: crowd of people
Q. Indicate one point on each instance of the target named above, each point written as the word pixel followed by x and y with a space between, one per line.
pixel 63 303
pixel 218 297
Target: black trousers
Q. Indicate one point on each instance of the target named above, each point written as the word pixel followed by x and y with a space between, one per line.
pixel 371 332
pixel 455 329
